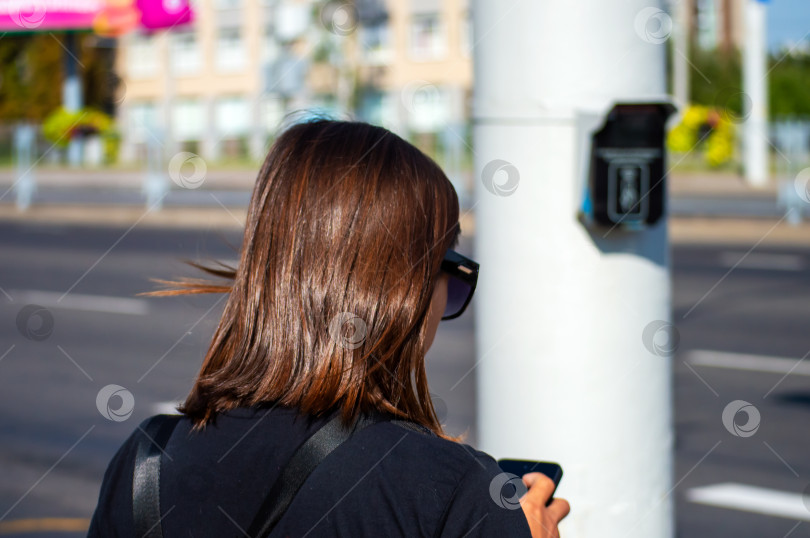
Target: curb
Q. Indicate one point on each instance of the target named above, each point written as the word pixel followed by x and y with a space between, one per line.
pixel 738 231
pixel 128 216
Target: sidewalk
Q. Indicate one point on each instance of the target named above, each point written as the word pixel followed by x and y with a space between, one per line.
pixel 685 184
pixel 82 197
pixel 128 216
pixel 740 232
pixel 102 178
pixel 696 184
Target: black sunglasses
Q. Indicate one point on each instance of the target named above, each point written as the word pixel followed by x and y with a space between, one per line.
pixel 463 274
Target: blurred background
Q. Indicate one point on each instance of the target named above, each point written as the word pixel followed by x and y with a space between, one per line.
pixel 130 138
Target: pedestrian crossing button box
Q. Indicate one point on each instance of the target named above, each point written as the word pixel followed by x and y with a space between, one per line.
pixel 626 181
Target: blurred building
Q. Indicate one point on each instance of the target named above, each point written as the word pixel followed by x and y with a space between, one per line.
pixel 221 86
pixel 415 65
pixel 200 88
pixel 716 24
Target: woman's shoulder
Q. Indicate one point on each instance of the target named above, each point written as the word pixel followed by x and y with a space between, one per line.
pixel 426 447
pixel 450 468
pixel 458 484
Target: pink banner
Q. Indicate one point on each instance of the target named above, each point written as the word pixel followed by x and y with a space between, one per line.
pixel 109 17
pixel 164 13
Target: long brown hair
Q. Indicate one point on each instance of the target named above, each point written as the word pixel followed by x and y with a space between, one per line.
pixel 346 230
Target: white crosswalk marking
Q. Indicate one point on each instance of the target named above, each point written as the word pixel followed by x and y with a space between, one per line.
pixel 770 502
pixel 76 301
pixel 741 361
pixel 756 260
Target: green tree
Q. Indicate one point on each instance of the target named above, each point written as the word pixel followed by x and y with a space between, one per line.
pixel 789 85
pixel 716 81
pixel 31 71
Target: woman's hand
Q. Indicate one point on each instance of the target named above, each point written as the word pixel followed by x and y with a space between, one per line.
pixel 543 520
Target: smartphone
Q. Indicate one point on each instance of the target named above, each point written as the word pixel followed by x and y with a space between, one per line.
pixel 521 467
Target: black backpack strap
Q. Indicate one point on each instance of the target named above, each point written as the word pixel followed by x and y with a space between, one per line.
pixel 146 475
pixel 305 459
pixel 156 433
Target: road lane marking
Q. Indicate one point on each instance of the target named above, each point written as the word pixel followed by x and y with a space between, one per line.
pixel 754 363
pixel 765 501
pixel 47 524
pixel 76 301
pixel 760 260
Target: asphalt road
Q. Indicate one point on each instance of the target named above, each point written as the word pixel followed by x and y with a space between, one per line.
pixel 55 443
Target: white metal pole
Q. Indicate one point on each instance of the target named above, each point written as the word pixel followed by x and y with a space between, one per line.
pixel 72 98
pixel 755 155
pixel 167 101
pixel 680 53
pixel 564 314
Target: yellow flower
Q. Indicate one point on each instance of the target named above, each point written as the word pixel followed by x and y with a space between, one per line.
pixel 681 139
pixel 695 116
pixel 718 147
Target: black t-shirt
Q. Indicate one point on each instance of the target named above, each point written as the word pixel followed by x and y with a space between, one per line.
pixel 386 480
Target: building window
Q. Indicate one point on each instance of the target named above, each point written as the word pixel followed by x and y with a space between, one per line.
pixel 185 54
pixel 143 121
pixel 142 57
pixel 188 120
pixel 428 109
pixel 230 54
pixel 232 117
pixel 371 107
pixel 375 39
pixel 428 38
pixel 271 113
